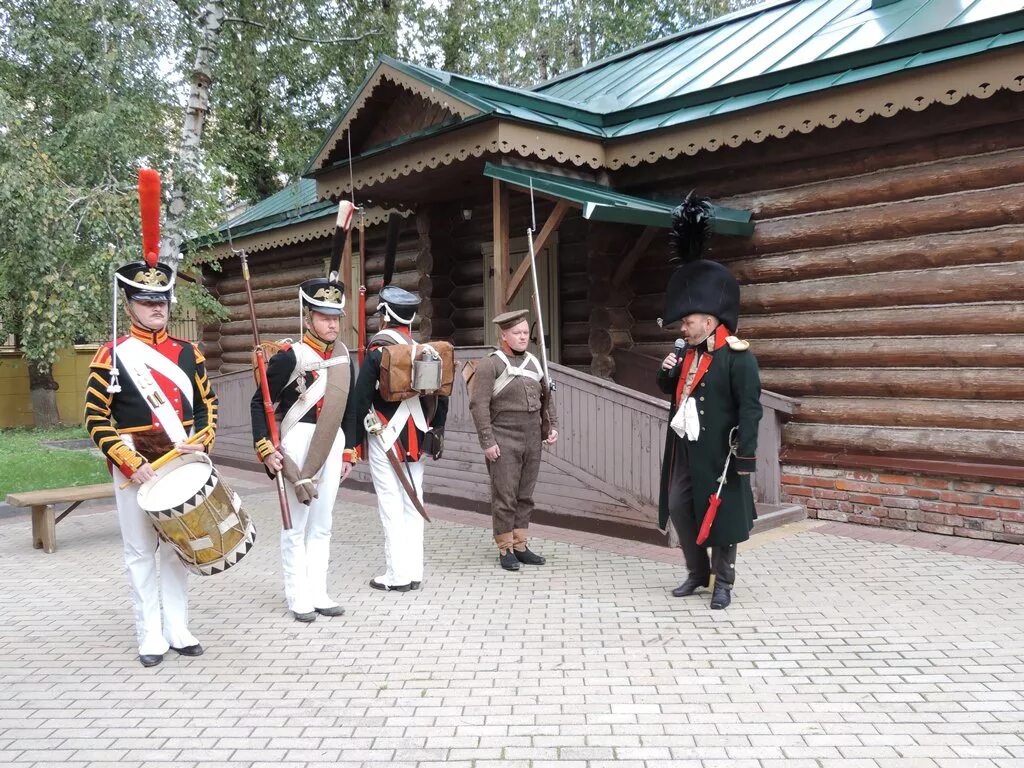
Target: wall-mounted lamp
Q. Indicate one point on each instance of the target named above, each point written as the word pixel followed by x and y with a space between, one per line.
pixel 467 214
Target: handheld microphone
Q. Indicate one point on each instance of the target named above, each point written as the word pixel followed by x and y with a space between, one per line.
pixel 679 350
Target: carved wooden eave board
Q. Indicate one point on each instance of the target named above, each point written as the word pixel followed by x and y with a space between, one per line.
pixel 335 147
pixel 292 234
pixel 917 89
pixel 478 140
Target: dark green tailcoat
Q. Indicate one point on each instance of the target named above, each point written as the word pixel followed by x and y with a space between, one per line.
pixel 727 396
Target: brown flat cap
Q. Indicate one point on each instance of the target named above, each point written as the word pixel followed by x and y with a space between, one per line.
pixel 507 319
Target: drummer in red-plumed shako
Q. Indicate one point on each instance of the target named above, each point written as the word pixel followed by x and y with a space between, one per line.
pixel 148 392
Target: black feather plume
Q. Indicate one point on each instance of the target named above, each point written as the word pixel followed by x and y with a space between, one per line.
pixel 691 227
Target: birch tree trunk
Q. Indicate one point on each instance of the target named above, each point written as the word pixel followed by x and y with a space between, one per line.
pixel 210 20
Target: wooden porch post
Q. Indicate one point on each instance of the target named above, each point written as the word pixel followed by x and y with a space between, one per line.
pixel 550 226
pixel 501 246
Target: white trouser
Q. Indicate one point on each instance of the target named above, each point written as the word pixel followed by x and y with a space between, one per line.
pixel 306 548
pixel 403 525
pixel 140 547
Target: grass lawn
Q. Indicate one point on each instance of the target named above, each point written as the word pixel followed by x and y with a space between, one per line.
pixel 27 465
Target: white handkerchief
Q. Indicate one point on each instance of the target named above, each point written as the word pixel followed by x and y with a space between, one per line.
pixel 686 423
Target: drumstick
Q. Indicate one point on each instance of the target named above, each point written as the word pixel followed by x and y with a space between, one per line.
pixel 173 453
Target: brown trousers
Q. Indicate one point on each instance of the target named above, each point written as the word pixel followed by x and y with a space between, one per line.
pixel 514 476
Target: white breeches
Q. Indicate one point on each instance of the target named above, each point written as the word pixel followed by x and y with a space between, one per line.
pixel 403 525
pixel 306 548
pixel 155 633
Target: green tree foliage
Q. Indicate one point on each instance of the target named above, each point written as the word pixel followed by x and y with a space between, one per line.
pixel 522 44
pixel 81 106
pixel 284 72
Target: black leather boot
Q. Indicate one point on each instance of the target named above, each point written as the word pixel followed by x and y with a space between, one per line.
pixel 528 558
pixel 509 561
pixel 721 597
pixel 691 585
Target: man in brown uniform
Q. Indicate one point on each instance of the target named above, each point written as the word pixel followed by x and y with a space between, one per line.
pixel 511 407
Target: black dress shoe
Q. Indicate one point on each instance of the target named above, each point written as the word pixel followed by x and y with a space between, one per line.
pixel 509 561
pixel 334 610
pixel 390 588
pixel 414 584
pixel 189 650
pixel 529 558
pixel 305 618
pixel 721 597
pixel 150 659
pixel 691 585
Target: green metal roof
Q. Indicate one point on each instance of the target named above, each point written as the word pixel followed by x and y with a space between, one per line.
pixel 294 204
pixel 605 204
pixel 761 55
pixel 776 38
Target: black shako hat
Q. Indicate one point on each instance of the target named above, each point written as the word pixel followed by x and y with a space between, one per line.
pixel 704 287
pixel 142 282
pixel 322 295
pixel 398 305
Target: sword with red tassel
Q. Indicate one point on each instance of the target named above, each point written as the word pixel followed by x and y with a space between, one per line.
pixel 716 498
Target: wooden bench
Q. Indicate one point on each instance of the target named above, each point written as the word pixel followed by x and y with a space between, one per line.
pixel 44 524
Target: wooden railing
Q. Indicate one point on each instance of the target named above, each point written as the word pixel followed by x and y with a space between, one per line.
pixel 611 437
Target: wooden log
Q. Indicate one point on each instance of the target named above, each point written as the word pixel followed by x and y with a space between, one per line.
pixel 575 311
pixel 974 246
pixel 238 358
pixel 266 309
pixel 468 337
pixel 573 285
pixel 262 296
pixel 576 354
pixel 951 383
pixel 434 286
pixel 603 366
pixel 467 296
pixel 436 308
pixel 969 128
pixel 469 316
pixel 405 259
pixel 962 444
pixel 575 333
pixel 436 329
pixel 993 169
pixel 980 319
pixel 410 281
pixel 1006 351
pixel 273 276
pixel 232 334
pixel 960 285
pixel 973 209
pixel 468 270
pixel 906 412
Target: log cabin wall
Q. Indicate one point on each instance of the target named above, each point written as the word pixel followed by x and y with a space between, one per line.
pixel 882 286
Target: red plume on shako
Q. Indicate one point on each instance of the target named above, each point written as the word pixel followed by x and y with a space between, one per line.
pixel 148 279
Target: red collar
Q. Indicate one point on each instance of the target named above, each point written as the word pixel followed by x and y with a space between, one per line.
pixel 153 338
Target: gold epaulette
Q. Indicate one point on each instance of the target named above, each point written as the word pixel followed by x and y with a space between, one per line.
pixel 737 344
pixel 102 358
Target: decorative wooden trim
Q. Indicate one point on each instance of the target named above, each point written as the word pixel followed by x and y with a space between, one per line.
pixel 550 226
pixel 471 141
pixel 968 469
pixel 290 234
pixel 385 72
pixel 501 244
pixel 915 89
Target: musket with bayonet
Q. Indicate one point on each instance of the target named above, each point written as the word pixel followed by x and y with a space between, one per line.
pixel 536 297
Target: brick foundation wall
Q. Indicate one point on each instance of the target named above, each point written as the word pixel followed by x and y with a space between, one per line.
pixel 946 505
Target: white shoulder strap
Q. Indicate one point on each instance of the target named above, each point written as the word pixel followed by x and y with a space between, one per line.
pixel 505 378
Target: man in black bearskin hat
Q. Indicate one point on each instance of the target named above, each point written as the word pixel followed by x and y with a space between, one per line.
pixel 716 389
pixel 147 393
pixel 310 381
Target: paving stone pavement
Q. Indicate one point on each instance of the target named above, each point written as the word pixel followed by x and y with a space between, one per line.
pixel 835 652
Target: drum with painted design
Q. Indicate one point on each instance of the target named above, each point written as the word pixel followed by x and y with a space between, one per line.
pixel 195 512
